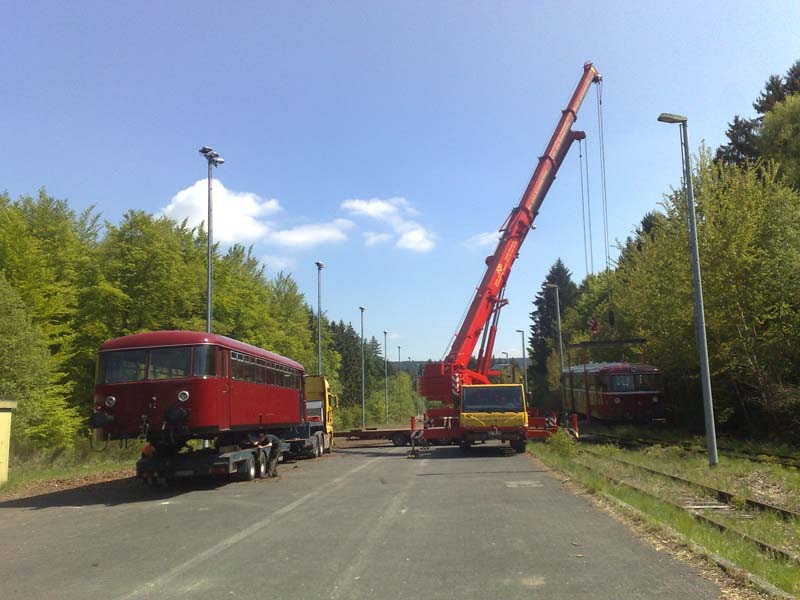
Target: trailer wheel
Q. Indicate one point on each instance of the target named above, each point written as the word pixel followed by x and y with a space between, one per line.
pixel 518 446
pixel 400 439
pixel 321 443
pixel 247 469
pixel 261 465
pixel 314 447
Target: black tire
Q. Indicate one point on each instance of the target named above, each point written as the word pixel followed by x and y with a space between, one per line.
pixel 329 449
pixel 464 446
pixel 400 439
pixel 321 438
pixel 314 447
pixel 247 469
pixel 519 446
pixel 261 465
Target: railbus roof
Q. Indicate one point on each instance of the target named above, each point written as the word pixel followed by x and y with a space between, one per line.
pixel 613 368
pixel 158 339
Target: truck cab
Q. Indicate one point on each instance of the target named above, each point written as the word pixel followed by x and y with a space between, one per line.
pixel 320 404
pixel 493 412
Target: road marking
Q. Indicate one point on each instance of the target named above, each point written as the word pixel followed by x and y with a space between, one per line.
pixel 522 484
pixel 220 547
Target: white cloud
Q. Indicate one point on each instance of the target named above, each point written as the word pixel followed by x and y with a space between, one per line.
pixel 479 240
pixel 310 235
pixel 418 239
pixel 237 215
pixel 277 263
pixel 243 217
pixel 372 238
pixel 394 212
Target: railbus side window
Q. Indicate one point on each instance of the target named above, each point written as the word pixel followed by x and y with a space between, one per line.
pixel 205 361
pixel 237 366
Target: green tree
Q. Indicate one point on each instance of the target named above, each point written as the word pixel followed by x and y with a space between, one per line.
pixel 544 327
pixel 43 420
pixel 780 138
pixel 744 143
pixel 750 255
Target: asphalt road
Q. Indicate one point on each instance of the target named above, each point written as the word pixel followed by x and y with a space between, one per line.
pixel 362 523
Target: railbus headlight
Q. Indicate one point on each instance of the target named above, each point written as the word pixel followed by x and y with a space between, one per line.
pixel 655 399
pixel 617 400
pixel 183 396
pixel 110 401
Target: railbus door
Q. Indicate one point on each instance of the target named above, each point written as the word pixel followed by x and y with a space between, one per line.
pixel 224 389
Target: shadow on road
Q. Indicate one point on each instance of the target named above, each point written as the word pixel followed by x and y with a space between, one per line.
pixel 478 451
pixel 127 490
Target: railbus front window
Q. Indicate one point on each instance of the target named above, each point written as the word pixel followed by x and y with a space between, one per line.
pixel 122 366
pixel 170 363
pixel 622 383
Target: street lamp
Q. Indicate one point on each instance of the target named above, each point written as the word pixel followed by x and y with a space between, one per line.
pixel 320 266
pixel 699 312
pixel 560 346
pixel 214 160
pixel 398 357
pixel 363 388
pixel 385 377
pixel 506 353
pixel 524 360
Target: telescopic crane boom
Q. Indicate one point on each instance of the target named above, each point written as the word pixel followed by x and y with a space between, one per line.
pixel 442 381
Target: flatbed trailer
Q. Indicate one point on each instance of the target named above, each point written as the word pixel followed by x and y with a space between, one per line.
pixel 399 437
pixel 259 460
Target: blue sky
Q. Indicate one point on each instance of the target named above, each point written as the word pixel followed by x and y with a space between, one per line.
pixel 382 138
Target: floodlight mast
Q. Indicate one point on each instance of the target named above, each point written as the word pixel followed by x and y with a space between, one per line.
pixel 214 160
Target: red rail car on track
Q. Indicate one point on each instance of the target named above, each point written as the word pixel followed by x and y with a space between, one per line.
pixel 617 391
pixel 173 386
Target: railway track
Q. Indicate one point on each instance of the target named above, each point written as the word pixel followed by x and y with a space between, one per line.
pixel 786 461
pixel 696 505
pixel 728 498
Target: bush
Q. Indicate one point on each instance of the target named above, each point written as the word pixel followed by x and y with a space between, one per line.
pixel 562 443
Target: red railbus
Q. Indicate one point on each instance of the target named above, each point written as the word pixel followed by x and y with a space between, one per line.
pixel 173 386
pixel 617 391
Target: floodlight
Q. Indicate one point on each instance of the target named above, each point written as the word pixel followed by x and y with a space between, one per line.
pixel 670 118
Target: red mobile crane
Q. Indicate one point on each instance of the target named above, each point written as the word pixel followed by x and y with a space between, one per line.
pixel 444 381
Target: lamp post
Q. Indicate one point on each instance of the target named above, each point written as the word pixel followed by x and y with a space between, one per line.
pixel 524 361
pixel 320 266
pixel 363 388
pixel 385 377
pixel 560 346
pixel 699 312
pixel 214 160
pixel 506 355
pixel 398 356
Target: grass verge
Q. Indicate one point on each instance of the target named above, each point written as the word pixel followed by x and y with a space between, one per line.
pixel 561 454
pixel 82 462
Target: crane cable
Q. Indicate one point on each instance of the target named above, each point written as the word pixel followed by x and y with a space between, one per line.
pixel 601 137
pixel 588 209
pixel 583 208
